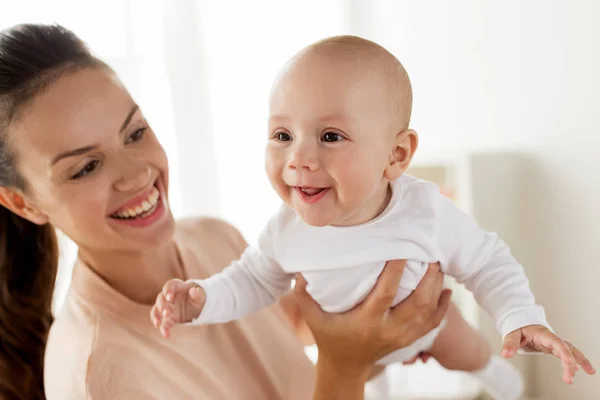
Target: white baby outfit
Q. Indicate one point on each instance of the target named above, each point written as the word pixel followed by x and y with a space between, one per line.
pixel 341 264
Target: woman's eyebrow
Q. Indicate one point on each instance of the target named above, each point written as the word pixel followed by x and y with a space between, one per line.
pixel 83 150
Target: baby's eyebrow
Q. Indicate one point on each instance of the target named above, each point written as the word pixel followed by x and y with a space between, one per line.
pixel 323 118
pixel 333 117
pixel 279 117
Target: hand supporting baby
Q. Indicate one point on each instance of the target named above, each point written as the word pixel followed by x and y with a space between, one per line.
pixel 540 338
pixel 179 302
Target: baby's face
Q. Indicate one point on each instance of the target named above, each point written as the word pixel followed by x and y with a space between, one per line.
pixel 330 140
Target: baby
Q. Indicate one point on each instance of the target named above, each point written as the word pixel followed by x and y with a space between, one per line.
pixel 339 144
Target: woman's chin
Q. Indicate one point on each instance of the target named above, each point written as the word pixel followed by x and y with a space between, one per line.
pixel 155 237
pixel 146 234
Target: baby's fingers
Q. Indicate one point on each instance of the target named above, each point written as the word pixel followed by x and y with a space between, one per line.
pixel 563 352
pixel 511 345
pixel 165 327
pixel 163 307
pixel 155 317
pixel 171 288
pixel 197 297
pixel 581 359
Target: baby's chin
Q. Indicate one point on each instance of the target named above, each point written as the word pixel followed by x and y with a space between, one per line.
pixel 315 219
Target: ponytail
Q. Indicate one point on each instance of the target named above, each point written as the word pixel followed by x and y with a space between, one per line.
pixel 32 57
pixel 28 266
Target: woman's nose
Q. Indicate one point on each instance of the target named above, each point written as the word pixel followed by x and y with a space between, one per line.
pixel 135 176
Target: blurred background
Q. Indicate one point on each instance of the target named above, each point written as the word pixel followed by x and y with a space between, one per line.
pixel 506 101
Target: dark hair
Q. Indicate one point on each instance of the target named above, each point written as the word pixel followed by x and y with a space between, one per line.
pixel 32 57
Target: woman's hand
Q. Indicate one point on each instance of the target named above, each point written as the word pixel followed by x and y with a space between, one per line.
pixel 351 342
pixel 292 313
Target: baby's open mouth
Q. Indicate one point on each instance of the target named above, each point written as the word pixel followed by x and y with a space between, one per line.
pixel 311 195
pixel 311 191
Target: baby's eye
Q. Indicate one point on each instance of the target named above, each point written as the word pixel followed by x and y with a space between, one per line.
pixel 284 137
pixel 330 137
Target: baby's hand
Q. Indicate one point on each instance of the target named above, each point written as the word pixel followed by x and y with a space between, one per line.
pixel 538 337
pixel 178 302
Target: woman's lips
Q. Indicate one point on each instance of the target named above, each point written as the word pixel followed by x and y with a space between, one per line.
pixel 146 219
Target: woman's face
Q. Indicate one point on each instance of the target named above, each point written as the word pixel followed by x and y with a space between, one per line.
pixel 92 165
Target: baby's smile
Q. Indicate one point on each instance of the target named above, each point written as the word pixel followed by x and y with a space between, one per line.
pixel 310 195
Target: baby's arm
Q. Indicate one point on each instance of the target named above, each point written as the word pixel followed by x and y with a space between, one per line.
pixel 247 285
pixel 482 261
pixel 254 281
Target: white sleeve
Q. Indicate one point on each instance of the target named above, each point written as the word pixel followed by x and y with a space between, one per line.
pixel 483 262
pixel 244 287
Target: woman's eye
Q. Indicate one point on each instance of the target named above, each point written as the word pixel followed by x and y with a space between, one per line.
pixel 284 137
pixel 88 168
pixel 136 136
pixel 332 137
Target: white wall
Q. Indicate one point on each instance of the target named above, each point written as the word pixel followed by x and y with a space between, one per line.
pixel 520 75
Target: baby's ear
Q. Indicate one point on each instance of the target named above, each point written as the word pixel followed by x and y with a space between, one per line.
pixel 405 145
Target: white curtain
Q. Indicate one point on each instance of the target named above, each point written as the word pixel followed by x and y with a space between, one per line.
pixel 186 68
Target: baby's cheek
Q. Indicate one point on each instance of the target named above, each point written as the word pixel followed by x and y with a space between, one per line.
pixel 273 164
pixel 274 176
pixel 353 184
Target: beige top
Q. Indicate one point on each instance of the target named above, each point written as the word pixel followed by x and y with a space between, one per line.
pixel 103 346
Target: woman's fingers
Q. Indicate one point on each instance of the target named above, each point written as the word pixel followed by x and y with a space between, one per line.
pixel 381 297
pixel 424 300
pixel 428 291
pixel 439 282
pixel 311 310
pixel 420 314
pixel 438 315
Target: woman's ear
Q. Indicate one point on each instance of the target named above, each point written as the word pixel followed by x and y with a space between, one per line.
pixel 405 146
pixel 16 203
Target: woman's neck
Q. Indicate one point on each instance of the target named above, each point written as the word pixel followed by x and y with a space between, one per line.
pixel 138 275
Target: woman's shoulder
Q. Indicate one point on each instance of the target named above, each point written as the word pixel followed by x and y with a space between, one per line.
pixel 68 350
pixel 210 225
pixel 211 231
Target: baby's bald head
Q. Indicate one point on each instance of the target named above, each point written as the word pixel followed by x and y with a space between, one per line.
pixel 338 120
pixel 357 57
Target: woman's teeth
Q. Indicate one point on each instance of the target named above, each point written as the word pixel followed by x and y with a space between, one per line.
pixel 146 207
